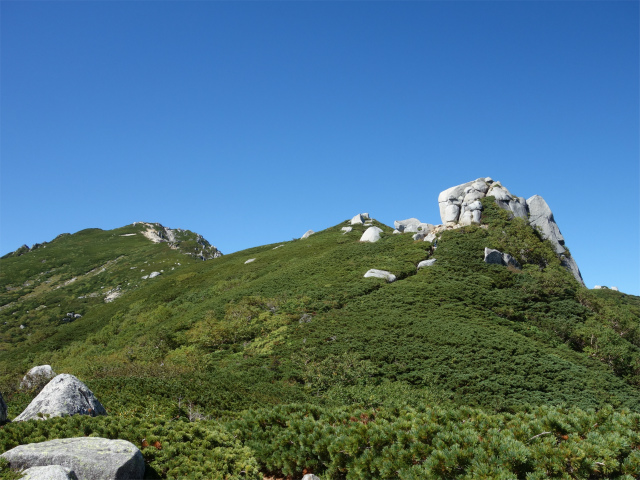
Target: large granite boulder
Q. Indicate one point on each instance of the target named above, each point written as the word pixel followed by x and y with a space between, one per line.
pixel 37 376
pixel 541 217
pixel 371 234
pixel 3 410
pixel 388 276
pixel 50 472
pixel 307 234
pixel 62 396
pixel 90 458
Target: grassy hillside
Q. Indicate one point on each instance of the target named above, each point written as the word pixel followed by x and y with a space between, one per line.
pixel 224 341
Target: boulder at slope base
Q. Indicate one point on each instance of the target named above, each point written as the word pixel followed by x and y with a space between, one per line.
pixel 91 458
pixel 63 395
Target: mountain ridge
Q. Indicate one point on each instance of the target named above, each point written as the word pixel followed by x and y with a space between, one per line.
pixel 298 326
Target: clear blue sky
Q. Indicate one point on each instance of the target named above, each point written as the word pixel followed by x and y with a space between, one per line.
pixel 252 122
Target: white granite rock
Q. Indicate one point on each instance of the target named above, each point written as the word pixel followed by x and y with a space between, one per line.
pixel 541 217
pixel 410 225
pixel 307 234
pixel 466 218
pixel 388 276
pixel 451 214
pixel 250 260
pixel 310 476
pixel 346 229
pixel 49 472
pixel 154 274
pixel 63 395
pixel 426 263
pixel 359 219
pixel 371 234
pixel 91 458
pixel 37 376
pixel 499 192
pixel 519 209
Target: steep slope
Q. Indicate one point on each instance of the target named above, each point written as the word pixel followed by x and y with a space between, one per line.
pixel 47 290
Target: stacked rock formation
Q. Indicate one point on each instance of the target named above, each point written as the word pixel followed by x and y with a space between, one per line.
pixel 460 205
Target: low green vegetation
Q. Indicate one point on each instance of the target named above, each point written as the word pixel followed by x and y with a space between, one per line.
pixel 295 361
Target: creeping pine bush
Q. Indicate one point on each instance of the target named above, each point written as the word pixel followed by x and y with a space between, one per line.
pixel 462 443
pixel 171 449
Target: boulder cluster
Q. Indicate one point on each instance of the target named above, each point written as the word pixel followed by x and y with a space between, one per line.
pixel 460 206
pixel 81 458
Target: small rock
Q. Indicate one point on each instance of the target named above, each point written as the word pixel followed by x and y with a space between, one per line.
pixel 37 375
pixel 496 257
pixel 346 229
pixel 49 472
pixel 492 256
pixel 250 260
pixel 430 238
pixel 371 234
pixel 615 289
pixel 154 274
pixel 410 225
pixel 310 476
pixel 426 263
pixel 357 219
pixel 388 276
pixel 307 234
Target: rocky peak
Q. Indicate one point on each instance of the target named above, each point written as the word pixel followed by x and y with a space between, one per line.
pixel 460 205
pixel 187 242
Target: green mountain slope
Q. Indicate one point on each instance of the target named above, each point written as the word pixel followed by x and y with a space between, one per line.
pixel 300 324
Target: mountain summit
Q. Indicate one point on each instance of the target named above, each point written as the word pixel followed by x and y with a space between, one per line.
pixel 460 205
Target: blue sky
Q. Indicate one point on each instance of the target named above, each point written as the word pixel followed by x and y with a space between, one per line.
pixel 252 122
